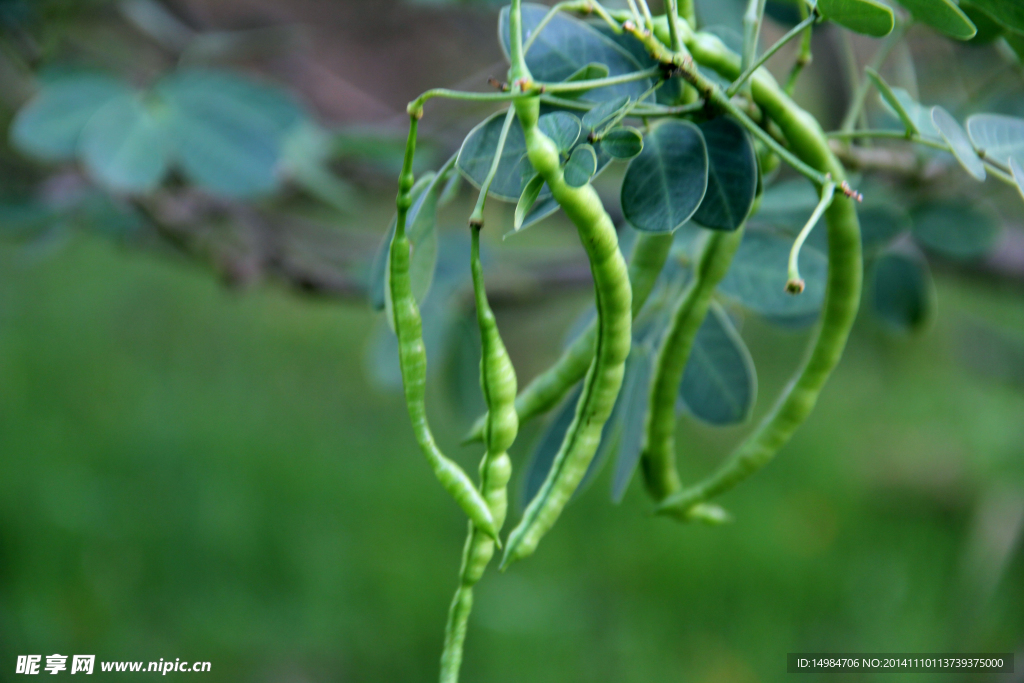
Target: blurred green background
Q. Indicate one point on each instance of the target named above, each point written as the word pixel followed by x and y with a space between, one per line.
pixel 199 472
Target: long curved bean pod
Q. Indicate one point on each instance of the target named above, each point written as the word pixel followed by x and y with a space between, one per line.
pixel 498 382
pixel 807 141
pixel 413 357
pixel 549 387
pixel 658 459
pixel 614 316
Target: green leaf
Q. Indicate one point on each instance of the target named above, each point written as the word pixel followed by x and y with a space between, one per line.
pixel 527 200
pixel 49 125
pixel 629 412
pixel 890 98
pixel 604 112
pixel 757 277
pixel 228 132
pixel 665 184
pixel 956 137
pixel 920 115
pixel 880 224
pixel 943 16
pixel 732 175
pixel 1009 13
pixel 902 292
pixel 581 166
pixel 477 153
pixel 989 30
pixel 123 147
pixel 719 384
pixel 547 448
pixel 1018 175
pixel 998 137
pixel 862 16
pixel 955 229
pixel 567 45
pixel 562 127
pixel 623 143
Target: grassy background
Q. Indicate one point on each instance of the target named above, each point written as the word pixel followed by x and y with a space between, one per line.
pixel 194 473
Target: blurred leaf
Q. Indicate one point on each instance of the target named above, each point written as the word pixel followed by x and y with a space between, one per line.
pixel 623 143
pixel 956 137
pixel 527 200
pixel 228 132
pixel 547 447
pixel 920 115
pixel 890 98
pixel 955 229
pixel 863 16
pixel 942 15
pixel 732 175
pixel 567 45
pixel 880 224
pixel 719 384
pixel 562 127
pixel 757 277
pixel 902 292
pixel 123 147
pixel 629 413
pixel 26 219
pixel 586 73
pixel 49 125
pixel 581 166
pixel 604 112
pixel 998 137
pixel 1009 13
pixel 665 184
pixel 304 160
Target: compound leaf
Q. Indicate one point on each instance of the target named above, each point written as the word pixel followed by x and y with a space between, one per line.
pixel 999 137
pixel 567 45
pixel 902 292
pixel 665 184
pixel 49 125
pixel 123 146
pixel 956 137
pixel 732 175
pixel 757 277
pixel 581 166
pixel 955 229
pixel 719 384
pixel 623 143
pixel 562 127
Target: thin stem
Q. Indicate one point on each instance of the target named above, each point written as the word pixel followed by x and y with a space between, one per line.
pixel 647 110
pixel 648 19
pixel 625 111
pixel 804 57
pixel 794 283
pixel 672 12
pixel 861 93
pixel 992 167
pixel 751 31
pixel 635 11
pixel 793 32
pixel 593 83
pixel 518 71
pixel 417 104
pixel 476 219
pixel 714 95
pixel 567 5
